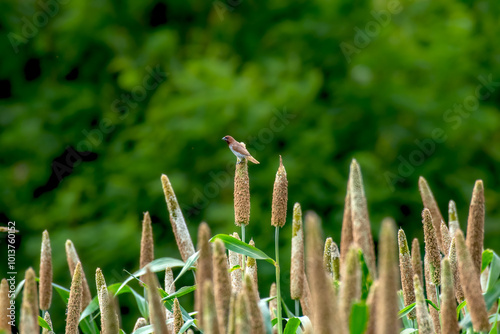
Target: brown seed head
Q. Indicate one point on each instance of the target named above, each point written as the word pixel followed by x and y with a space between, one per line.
pixel 459 292
pixel 273 304
pixel 169 281
pixel 350 291
pixel 73 259
pixel 99 280
pixel 446 242
pixel 297 259
pixel 231 324
pixel 362 234
pixel 27 323
pixel 169 288
pixel 280 197
pixel 235 259
pixel 305 300
pixel 147 243
pixel 406 271
pixel 210 323
pixel 475 226
pixel 30 294
pixel 75 300
pixel 430 203
pixel 178 320
pixel 424 320
pixel 387 310
pixel 327 257
pixel 47 319
pixel 346 238
pixel 179 227
pixel 431 247
pixel 45 272
pixel 416 260
pixel 156 309
pixel 242 315
pixel 323 303
pixel 222 290
pixel 241 194
pixel 471 285
pixel 141 322
pixel 108 313
pixel 430 289
pixel 252 301
pixel 251 266
pixel 103 301
pixel 204 268
pixel 449 323
pixel 4 305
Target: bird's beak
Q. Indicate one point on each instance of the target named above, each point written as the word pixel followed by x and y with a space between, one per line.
pixel 223 138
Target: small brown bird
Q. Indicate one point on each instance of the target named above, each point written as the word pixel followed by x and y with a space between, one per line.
pixel 239 150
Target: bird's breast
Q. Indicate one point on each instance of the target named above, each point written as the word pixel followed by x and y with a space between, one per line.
pixel 238 154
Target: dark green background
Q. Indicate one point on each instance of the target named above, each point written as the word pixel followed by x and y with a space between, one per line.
pixel 232 67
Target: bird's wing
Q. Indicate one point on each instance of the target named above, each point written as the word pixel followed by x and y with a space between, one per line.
pixel 240 148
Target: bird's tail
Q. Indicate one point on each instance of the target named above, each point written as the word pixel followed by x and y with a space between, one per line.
pixel 252 159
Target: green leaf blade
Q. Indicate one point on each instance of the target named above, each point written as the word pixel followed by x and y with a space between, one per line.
pixel 240 247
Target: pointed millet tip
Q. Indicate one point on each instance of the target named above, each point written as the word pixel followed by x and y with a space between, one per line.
pixel 401 233
pixel 297 211
pixel 219 248
pixel 478 186
pixel 459 241
pixel 426 214
pixel 354 172
pixel 282 167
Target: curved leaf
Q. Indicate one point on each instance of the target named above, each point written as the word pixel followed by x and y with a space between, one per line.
pixel 240 247
pixel 155 266
pixel 43 323
pixel 292 325
pixel 188 265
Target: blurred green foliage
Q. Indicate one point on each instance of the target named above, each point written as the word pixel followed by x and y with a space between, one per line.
pixel 89 123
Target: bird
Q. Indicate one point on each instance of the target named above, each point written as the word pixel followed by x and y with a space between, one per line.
pixel 239 150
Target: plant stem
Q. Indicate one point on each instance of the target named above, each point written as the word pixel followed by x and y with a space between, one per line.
pixel 278 289
pixel 297 308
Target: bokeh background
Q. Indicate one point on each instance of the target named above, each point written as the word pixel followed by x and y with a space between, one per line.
pixel 99 98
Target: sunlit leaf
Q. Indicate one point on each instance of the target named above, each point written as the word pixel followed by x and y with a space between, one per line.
pixel 292 325
pixel 486 258
pixel 43 323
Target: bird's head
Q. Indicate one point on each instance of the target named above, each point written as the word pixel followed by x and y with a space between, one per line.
pixel 228 139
